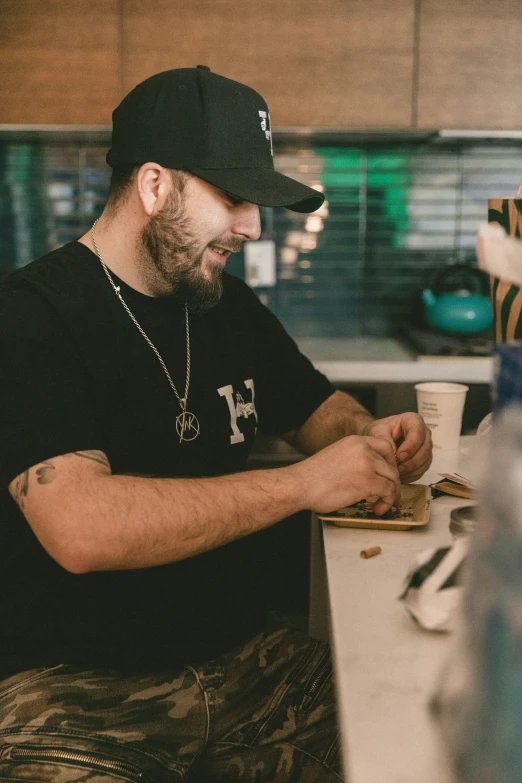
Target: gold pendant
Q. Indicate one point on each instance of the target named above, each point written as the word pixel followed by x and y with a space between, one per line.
pixel 187 426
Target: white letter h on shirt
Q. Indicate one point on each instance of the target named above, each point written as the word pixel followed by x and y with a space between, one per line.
pixel 228 392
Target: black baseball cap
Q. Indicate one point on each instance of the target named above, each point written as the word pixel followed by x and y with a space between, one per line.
pixel 211 126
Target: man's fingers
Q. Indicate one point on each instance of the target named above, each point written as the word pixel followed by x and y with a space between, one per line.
pixel 415 463
pixel 386 491
pixel 387 486
pixel 422 459
pixel 396 431
pixel 408 476
pixel 387 471
pixel 384 447
pixel 416 436
pixel 381 507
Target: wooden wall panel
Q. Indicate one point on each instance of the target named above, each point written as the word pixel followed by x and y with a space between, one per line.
pixel 470 64
pixel 58 60
pixel 333 62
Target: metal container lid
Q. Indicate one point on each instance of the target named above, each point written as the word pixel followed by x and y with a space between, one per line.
pixel 463 520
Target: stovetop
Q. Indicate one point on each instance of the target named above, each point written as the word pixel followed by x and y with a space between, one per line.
pixel 431 343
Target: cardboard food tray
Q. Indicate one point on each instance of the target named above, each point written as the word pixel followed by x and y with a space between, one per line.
pixel 416 499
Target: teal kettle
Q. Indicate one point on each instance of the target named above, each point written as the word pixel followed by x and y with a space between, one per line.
pixel 455 302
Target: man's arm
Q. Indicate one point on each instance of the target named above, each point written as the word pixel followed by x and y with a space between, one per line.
pixel 340 415
pixel 91 520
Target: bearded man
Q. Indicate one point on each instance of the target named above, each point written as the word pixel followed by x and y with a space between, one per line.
pixel 135 373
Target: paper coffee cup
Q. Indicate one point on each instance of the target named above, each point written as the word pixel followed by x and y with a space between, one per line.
pixel 441 406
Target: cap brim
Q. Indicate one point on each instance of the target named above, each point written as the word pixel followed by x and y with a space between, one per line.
pixel 265 187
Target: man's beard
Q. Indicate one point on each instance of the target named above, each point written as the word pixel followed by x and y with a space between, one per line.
pixel 171 258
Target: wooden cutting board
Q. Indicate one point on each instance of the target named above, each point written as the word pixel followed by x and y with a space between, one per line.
pixel 416 500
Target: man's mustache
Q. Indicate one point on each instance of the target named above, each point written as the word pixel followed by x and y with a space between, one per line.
pixel 233 244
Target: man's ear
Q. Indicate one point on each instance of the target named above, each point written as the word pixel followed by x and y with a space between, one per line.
pixel 154 184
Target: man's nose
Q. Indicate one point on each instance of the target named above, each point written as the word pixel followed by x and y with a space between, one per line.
pixel 247 221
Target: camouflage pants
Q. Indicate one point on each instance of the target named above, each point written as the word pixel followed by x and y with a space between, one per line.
pixel 264 713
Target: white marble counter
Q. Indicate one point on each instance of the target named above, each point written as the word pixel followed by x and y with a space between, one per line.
pixel 386 666
pixel 386 360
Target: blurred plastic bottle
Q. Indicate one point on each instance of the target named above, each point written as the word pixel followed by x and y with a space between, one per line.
pixel 480 701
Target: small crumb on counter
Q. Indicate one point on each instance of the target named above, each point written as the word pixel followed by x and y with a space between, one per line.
pixel 371 552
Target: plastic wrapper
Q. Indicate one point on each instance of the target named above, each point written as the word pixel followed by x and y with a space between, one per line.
pixel 432 593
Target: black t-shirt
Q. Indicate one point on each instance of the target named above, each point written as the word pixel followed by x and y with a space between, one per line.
pixel 75 374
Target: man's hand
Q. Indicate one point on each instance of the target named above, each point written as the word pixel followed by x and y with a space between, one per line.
pixel 412 440
pixel 348 471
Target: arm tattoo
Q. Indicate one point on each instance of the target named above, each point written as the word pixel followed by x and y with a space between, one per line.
pixel 21 488
pixel 46 473
pixel 95 456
